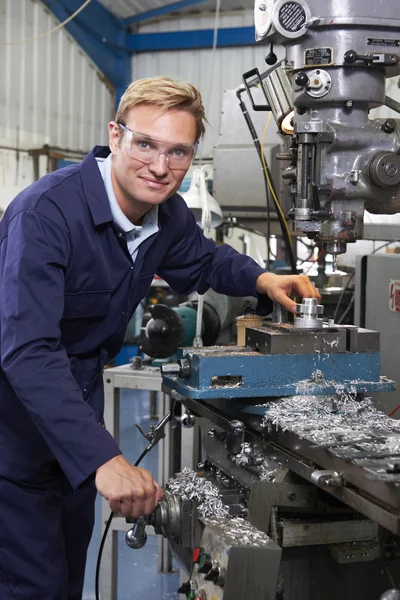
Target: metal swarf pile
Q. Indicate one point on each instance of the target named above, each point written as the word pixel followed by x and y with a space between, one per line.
pixel 336 421
pixel 190 486
pixel 211 509
pixel 238 529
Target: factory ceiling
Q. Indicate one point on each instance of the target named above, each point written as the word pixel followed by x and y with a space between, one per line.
pixel 124 9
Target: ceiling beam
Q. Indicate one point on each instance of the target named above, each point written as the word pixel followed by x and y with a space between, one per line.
pixel 161 11
pixel 189 40
pixel 100 34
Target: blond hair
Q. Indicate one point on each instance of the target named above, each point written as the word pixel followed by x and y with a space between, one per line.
pixel 164 93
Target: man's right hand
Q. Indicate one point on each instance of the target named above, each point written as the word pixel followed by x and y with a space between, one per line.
pixel 130 490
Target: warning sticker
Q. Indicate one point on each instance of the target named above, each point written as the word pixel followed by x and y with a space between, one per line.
pixel 318 57
pixel 383 42
pixel 394 295
pixel 292 16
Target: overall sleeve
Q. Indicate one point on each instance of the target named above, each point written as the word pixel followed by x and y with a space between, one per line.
pixel 33 260
pixel 196 263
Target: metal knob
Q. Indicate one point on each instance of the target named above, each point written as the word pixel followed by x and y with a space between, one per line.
pixel 187 420
pixel 389 126
pixel 302 79
pixel 391 595
pixel 350 57
pixel 136 537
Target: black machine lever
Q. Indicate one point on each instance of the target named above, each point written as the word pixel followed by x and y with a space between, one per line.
pixel 255 73
pixel 351 57
pixel 157 432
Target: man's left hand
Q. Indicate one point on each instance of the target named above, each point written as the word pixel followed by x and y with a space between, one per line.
pixel 280 287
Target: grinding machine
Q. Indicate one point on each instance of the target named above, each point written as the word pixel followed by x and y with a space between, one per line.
pixel 297 495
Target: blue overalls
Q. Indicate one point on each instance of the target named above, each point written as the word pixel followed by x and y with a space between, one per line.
pixel 68 288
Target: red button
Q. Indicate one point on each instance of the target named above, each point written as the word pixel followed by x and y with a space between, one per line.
pixel 196 554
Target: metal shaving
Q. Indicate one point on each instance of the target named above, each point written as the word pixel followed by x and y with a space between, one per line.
pixel 251 456
pixel 245 456
pixel 237 529
pixel 336 421
pixel 190 486
pixel 266 473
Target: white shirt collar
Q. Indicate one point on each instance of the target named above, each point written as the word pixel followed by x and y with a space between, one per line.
pixel 120 219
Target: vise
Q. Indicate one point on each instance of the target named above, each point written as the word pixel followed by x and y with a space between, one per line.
pixel 280 359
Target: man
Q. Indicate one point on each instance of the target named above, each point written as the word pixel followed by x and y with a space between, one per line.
pixel 78 252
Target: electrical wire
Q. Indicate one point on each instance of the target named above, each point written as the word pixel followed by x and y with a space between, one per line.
pixel 50 31
pixel 207 104
pixel 309 257
pixel 308 246
pixel 285 230
pixel 394 410
pixel 320 255
pixel 390 576
pixel 106 529
pixel 257 145
pixel 346 287
pixel 384 245
pixel 271 189
pixel 348 309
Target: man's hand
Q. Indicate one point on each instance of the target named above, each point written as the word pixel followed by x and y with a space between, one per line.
pixel 280 287
pixel 130 490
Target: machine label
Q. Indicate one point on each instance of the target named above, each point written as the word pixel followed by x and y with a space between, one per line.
pixel 394 295
pixel 383 42
pixel 318 57
pixel 292 16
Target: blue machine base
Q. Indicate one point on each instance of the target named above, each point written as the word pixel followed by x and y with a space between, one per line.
pixel 253 375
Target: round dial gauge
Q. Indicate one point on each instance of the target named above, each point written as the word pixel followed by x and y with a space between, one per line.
pixel 262 16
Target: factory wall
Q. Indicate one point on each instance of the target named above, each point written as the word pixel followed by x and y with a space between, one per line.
pixel 51 94
pixel 211 72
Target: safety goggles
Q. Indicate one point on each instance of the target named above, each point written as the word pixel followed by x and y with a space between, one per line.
pixel 147 149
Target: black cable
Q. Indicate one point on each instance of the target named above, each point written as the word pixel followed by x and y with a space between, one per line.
pixel 253 133
pixel 104 536
pixel 268 226
pixel 308 257
pixel 344 315
pixel 309 246
pixel 251 230
pixel 384 246
pixel 286 238
pixel 346 312
pixel 335 314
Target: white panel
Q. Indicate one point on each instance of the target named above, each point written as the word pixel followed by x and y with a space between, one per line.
pixel 51 93
pixel 211 73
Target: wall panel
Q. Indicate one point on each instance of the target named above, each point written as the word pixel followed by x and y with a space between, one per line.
pixel 51 94
pixel 211 72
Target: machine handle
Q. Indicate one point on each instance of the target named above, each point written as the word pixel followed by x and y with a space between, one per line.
pixel 136 537
pixel 255 73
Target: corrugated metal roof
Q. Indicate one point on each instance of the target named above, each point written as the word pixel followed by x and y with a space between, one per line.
pixel 128 8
